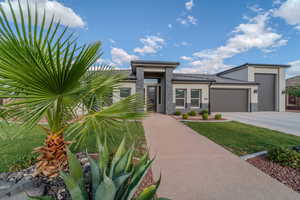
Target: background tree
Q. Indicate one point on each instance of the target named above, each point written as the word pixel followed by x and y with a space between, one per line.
pixel 45 74
pixel 294 91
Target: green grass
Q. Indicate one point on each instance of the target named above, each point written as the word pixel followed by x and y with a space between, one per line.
pixel 242 139
pixel 17 144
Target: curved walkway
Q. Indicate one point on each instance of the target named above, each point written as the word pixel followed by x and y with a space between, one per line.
pixel 195 168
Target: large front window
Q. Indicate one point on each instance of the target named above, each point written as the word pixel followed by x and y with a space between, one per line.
pixel 180 97
pixel 125 92
pixel 195 98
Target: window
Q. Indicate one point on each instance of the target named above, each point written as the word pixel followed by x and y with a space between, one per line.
pixel 180 97
pixel 152 80
pixel 125 92
pixel 195 98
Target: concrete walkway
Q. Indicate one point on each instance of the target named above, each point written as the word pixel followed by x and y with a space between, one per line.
pixel 195 168
pixel 287 122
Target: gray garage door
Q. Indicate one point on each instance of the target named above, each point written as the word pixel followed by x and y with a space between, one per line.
pixel 229 100
pixel 266 91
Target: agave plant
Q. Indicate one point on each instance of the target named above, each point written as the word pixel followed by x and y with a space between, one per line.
pixel 46 75
pixel 114 177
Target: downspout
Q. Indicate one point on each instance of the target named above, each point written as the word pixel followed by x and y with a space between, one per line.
pixel 209 105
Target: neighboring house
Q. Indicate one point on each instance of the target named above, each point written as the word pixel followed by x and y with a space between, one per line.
pixel 292 102
pixel 247 88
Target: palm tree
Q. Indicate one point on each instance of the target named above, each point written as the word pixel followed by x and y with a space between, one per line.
pixel 46 75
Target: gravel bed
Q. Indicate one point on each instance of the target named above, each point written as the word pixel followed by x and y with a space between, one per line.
pixel 22 181
pixel 286 175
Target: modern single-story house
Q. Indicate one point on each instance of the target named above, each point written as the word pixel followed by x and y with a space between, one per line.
pixel 246 88
pixel 292 102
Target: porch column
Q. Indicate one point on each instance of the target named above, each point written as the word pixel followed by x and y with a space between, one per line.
pixel 169 105
pixel 140 82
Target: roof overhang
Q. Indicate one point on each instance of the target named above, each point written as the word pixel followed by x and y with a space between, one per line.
pixel 152 64
pixel 252 65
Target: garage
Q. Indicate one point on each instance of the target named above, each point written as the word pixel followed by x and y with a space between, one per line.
pixel 266 91
pixel 229 100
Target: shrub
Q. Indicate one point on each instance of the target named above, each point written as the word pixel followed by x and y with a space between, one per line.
pixel 205 116
pixel 205 111
pixel 185 116
pixel 192 113
pixel 177 112
pixel 284 156
pixel 112 177
pixel 218 116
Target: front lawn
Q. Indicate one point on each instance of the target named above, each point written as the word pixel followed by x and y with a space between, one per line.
pixel 16 148
pixel 242 139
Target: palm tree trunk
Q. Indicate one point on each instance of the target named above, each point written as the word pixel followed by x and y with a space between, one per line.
pixel 53 156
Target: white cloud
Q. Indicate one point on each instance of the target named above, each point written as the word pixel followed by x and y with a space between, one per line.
pixel 189 5
pixel 290 12
pixel 120 56
pixel 186 58
pixel 63 14
pixel 151 44
pixel 170 26
pixel 254 34
pixel 186 20
pixel 294 70
pixel 112 41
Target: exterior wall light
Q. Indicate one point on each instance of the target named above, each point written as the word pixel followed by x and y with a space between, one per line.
pixel 283 92
pixel 255 91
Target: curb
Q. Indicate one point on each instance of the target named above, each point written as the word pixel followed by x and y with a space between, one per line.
pixel 253 155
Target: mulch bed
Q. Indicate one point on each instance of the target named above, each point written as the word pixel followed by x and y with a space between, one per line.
pixel 286 175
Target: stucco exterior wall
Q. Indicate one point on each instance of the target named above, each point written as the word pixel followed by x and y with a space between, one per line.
pixel 241 74
pixel 279 85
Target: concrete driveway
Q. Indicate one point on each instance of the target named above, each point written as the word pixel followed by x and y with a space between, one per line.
pixel 288 122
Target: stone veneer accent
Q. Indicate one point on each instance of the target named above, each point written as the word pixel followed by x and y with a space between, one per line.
pixel 140 82
pixel 169 106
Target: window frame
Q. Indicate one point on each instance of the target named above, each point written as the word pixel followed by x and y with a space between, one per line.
pixel 197 98
pixel 184 98
pixel 126 89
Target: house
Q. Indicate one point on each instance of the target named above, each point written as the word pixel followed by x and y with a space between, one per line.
pixel 292 102
pixel 246 88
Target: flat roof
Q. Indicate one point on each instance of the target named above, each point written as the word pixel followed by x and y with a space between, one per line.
pixel 252 64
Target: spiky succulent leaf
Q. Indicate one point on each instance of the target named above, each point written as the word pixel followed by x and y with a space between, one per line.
pixel 103 154
pixel 106 190
pixel 95 175
pixel 75 168
pixel 73 187
pixel 149 192
pixel 118 155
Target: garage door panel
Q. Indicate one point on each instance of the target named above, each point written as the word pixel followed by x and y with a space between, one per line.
pixel 229 100
pixel 266 91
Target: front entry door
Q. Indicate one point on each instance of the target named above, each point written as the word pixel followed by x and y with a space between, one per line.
pixel 151 98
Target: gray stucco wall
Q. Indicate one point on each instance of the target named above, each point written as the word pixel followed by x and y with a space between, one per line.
pixel 169 107
pixel 254 107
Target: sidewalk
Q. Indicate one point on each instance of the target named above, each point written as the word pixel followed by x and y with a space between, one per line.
pixel 195 168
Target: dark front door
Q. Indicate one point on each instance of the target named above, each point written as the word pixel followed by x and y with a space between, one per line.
pixel 151 98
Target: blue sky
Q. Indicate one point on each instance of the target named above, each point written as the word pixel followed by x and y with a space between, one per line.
pixel 205 36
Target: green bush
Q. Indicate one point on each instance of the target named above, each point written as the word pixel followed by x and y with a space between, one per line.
pixel 205 111
pixel 192 113
pixel 284 156
pixel 185 116
pixel 205 116
pixel 218 116
pixel 177 112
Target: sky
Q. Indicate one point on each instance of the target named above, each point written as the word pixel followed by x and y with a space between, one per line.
pixel 205 36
